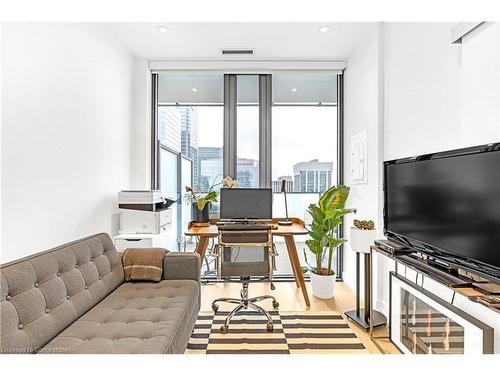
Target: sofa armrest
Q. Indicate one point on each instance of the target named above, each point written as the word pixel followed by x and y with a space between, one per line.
pixel 181 266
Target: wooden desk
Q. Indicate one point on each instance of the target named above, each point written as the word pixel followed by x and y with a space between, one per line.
pixel 296 229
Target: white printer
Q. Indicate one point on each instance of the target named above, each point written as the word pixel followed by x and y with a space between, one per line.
pixel 144 211
pixel 145 216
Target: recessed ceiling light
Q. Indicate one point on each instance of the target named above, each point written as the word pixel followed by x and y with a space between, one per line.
pixel 194 89
pixel 294 89
pixel 163 28
pixel 324 29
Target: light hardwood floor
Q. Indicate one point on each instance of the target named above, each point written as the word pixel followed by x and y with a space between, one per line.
pixel 290 299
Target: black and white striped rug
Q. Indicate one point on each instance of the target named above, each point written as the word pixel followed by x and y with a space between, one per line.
pixel 294 333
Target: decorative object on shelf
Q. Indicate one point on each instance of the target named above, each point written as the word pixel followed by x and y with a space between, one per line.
pixel 438 326
pixel 326 217
pixel 363 235
pixel 364 224
pixel 283 190
pixel 202 202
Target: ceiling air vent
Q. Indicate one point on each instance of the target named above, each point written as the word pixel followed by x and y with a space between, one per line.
pixel 237 51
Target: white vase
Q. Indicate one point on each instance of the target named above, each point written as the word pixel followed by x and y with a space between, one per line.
pixel 362 239
pixel 323 286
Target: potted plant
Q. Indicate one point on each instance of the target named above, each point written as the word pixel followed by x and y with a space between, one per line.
pixel 326 217
pixel 202 202
pixel 363 235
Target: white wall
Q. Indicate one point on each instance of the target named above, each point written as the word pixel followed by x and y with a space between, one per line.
pixel 141 130
pixel 438 95
pixel 363 111
pixel 66 133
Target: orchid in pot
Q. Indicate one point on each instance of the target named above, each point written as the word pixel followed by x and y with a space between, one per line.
pixel 202 202
pixel 326 216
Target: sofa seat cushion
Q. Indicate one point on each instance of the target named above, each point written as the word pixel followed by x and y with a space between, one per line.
pixel 138 317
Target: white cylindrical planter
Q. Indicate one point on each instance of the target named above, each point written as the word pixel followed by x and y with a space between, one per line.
pixel 323 286
pixel 362 239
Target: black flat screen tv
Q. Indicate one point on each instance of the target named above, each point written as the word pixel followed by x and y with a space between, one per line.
pixel 447 204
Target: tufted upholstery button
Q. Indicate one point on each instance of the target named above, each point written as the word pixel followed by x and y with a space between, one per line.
pixel 8 298
pixel 20 326
pixel 59 274
pixel 91 259
pixel 36 285
pixel 47 311
pixel 67 297
pixel 86 287
pixel 100 277
pixel 76 266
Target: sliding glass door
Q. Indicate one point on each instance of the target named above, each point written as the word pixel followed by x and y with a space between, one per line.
pixel 259 128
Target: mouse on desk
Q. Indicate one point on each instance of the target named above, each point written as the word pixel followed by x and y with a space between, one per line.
pixel 274 226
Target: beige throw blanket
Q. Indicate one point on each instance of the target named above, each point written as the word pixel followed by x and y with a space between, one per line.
pixel 143 264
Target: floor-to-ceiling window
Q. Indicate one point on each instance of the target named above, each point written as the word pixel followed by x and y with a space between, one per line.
pixel 247 115
pixel 304 147
pixel 190 126
pixel 206 119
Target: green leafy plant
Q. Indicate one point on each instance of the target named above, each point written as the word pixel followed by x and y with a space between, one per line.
pixel 202 199
pixel 326 217
pixel 364 224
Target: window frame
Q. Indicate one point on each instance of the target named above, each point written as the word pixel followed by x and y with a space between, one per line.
pixel 265 133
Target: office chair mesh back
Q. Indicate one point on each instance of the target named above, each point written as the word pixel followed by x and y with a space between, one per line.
pixel 245 262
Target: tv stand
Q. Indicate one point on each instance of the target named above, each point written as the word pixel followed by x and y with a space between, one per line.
pixel 455 287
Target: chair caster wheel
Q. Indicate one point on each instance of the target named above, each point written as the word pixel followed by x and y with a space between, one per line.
pixel 215 307
pixel 272 286
pixel 275 304
pixel 223 329
pixel 269 327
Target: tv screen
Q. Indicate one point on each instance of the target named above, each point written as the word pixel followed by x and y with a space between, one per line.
pixel 246 203
pixel 448 201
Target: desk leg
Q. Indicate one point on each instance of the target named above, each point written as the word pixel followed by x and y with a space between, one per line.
pixel 202 247
pixel 294 258
pixel 290 256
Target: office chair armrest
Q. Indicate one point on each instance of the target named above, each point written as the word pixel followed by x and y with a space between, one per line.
pixel 181 266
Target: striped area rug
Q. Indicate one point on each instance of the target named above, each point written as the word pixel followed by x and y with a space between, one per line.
pixel 294 333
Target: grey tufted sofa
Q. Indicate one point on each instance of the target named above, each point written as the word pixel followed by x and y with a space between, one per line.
pixel 73 299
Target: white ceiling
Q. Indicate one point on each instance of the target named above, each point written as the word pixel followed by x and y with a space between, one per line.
pixel 270 40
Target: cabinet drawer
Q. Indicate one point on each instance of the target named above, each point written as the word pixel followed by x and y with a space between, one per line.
pixel 125 243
